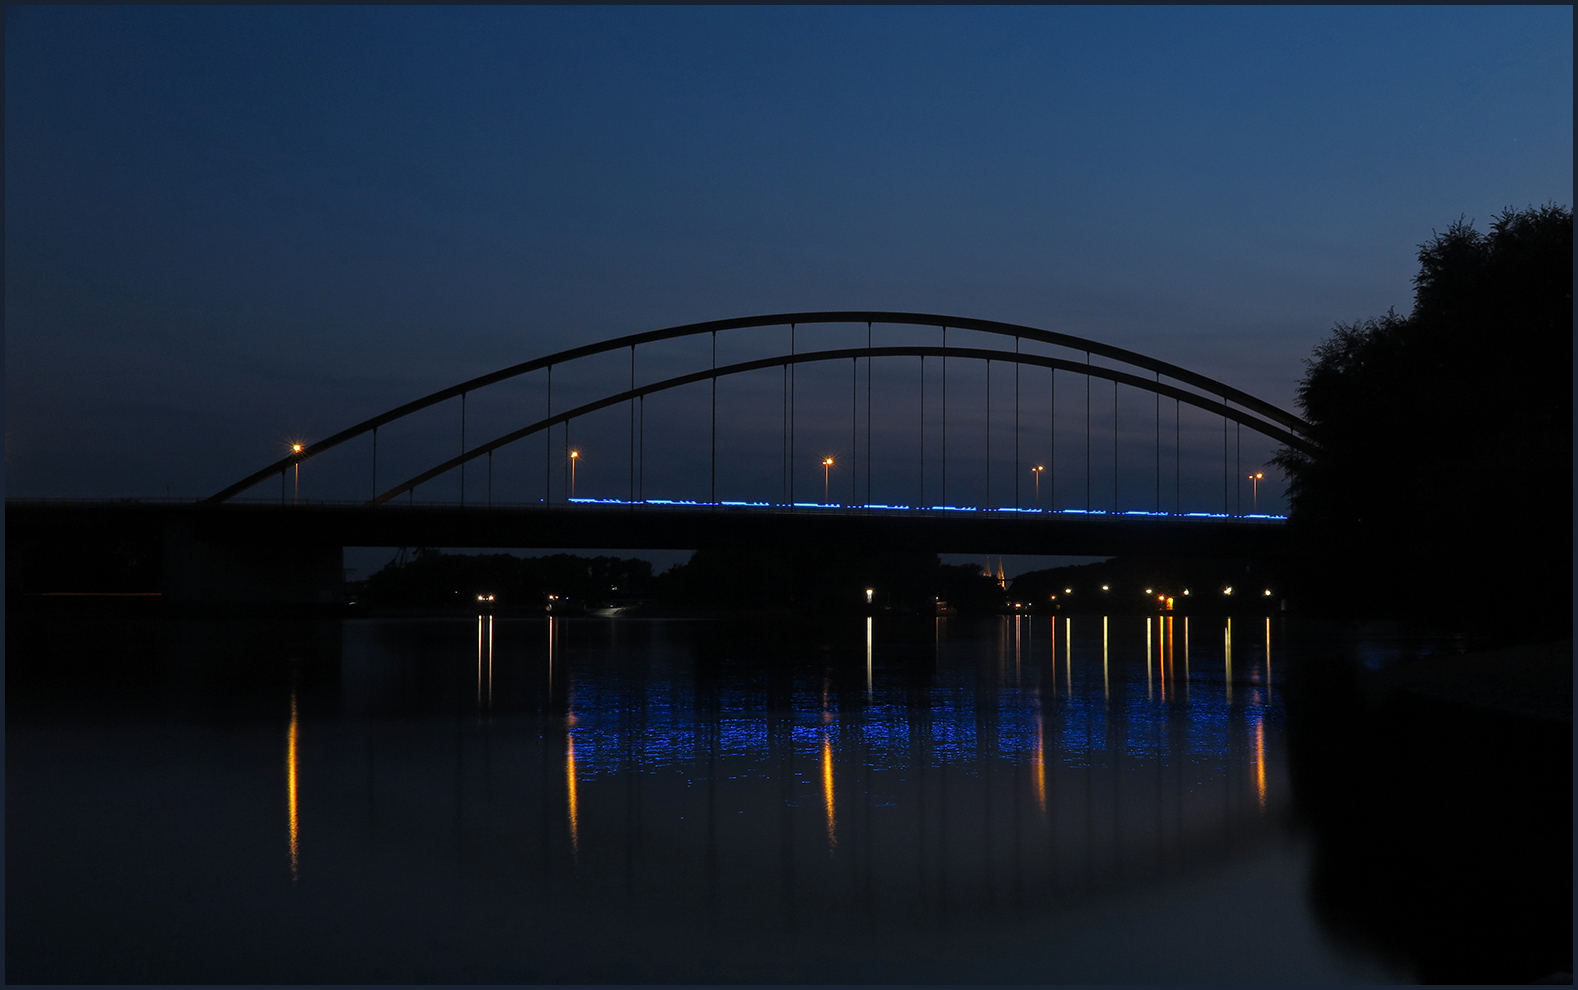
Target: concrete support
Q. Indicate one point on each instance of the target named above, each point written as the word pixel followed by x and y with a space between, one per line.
pixel 196 570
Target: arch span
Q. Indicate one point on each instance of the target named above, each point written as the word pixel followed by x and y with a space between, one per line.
pixel 811 357
pixel 1258 414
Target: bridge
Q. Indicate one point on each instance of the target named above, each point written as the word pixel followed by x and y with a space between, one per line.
pixel 848 468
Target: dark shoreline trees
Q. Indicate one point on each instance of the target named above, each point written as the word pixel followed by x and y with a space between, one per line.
pixel 1443 483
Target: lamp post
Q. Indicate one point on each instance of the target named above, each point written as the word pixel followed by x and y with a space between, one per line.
pixel 1036 472
pixel 296 448
pixel 827 465
pixel 575 455
pixel 1254 488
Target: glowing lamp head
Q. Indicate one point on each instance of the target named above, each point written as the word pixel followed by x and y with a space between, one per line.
pixel 295 448
pixel 1105 588
pixel 1227 590
pixel 869 593
pixel 1268 592
pixel 1068 591
pixel 827 462
pixel 574 454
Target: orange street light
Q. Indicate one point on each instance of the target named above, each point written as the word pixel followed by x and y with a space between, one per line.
pixel 575 455
pixel 1254 487
pixel 1036 472
pixel 827 465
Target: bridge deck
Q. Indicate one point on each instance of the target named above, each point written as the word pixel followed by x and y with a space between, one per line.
pixel 666 526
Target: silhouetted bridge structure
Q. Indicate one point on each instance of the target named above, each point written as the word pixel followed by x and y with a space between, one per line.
pixel 226 548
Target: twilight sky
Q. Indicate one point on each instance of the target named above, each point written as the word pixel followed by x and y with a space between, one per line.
pixel 230 227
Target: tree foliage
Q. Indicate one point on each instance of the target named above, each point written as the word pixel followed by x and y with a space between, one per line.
pixel 1445 436
pixel 434 579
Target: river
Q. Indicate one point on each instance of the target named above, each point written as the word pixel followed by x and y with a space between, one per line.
pixel 576 800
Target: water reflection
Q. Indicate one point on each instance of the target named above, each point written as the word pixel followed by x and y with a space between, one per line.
pixel 573 801
pixel 1227 660
pixel 827 791
pixel 484 662
pixel 948 759
pixel 869 621
pixel 1260 760
pixel 290 789
pixel 882 793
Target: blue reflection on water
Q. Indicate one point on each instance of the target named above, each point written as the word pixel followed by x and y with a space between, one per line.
pixel 1139 708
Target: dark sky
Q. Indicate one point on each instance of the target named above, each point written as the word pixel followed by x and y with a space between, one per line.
pixel 231 227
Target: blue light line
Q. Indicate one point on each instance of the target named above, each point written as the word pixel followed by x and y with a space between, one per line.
pixel 885 507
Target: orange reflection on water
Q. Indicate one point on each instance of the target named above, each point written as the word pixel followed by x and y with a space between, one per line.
pixel 1040 763
pixel 1260 761
pixel 569 784
pixel 827 791
pixel 290 789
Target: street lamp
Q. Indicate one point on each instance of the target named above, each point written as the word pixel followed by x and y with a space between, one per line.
pixel 827 465
pixel 575 455
pixel 296 449
pixel 1254 487
pixel 1036 471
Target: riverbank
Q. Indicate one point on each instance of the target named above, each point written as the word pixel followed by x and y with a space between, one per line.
pixel 1533 680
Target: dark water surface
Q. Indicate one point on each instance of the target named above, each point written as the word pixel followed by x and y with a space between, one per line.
pixel 624 800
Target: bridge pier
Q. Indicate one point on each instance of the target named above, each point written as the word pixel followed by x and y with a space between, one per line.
pixel 62 550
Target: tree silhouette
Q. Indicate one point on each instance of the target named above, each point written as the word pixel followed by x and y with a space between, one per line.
pixel 1443 481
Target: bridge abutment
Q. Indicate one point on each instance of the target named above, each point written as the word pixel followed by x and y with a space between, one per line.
pixel 204 571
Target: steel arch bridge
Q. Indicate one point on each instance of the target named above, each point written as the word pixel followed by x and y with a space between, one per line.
pixel 1124 367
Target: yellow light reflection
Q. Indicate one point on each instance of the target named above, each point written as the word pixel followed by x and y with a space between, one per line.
pixel 290 789
pixel 1161 657
pixel 1105 685
pixel 479 661
pixel 569 785
pixel 827 791
pixel 868 656
pixel 1260 761
pixel 1227 644
pixel 1268 658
